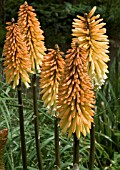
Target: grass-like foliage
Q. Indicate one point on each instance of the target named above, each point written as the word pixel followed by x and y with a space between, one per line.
pixel 107 127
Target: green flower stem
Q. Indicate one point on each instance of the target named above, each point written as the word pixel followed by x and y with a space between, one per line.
pixel 21 118
pixel 57 153
pixel 76 151
pixel 92 147
pixel 36 123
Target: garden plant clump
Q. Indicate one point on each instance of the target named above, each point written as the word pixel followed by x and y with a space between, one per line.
pixel 57 107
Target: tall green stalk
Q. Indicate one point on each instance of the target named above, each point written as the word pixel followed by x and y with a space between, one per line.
pixel 75 151
pixel 36 123
pixel 21 118
pixel 57 153
pixel 92 147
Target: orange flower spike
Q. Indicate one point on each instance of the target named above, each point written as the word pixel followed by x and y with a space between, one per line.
pixel 17 60
pixel 89 31
pixel 51 70
pixel 3 138
pixel 76 98
pixel 30 28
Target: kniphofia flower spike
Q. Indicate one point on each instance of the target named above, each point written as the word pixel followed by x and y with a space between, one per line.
pixel 75 95
pixel 30 28
pixel 17 60
pixel 90 32
pixel 51 70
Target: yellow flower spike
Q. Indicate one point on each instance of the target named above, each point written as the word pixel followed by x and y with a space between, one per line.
pixel 76 98
pixel 89 32
pixel 51 70
pixel 30 28
pixel 3 138
pixel 17 60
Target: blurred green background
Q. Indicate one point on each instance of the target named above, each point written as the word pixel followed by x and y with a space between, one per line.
pixel 56 18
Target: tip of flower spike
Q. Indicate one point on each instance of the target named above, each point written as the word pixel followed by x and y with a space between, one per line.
pixel 56 47
pixel 25 3
pixel 85 14
pixel 12 20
